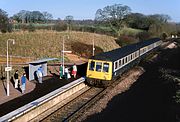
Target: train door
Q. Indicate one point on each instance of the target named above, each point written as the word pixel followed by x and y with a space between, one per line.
pixel 98 70
pixel 106 71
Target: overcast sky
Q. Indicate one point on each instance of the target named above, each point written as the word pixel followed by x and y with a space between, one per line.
pixel 86 9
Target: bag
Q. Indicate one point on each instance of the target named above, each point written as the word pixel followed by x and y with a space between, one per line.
pixel 68 76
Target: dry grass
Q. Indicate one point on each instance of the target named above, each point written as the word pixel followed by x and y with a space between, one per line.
pixel 49 43
pixel 15 60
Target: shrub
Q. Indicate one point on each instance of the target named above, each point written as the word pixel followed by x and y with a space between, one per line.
pixel 178 33
pixel 143 35
pixel 31 28
pixel 3 30
pixel 164 36
pixel 84 50
pixel 60 26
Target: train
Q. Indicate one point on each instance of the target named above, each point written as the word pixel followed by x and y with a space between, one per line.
pixel 108 66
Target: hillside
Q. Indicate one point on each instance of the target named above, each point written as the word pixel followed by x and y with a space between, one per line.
pixel 43 43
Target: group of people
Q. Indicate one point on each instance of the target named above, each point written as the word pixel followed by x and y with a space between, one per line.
pixel 67 72
pixel 39 74
pixel 22 81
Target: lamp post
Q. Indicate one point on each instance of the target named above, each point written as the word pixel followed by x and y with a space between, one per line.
pixel 7 69
pixel 64 51
pixel 93 45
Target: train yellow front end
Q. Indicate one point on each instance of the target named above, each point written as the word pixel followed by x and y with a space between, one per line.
pixel 99 70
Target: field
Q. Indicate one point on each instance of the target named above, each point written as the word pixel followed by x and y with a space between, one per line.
pixel 44 43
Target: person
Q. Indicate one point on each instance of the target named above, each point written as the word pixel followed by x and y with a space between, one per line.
pixel 66 73
pixel 74 70
pixel 23 83
pixel 16 79
pixel 39 75
pixel 40 69
pixel 61 71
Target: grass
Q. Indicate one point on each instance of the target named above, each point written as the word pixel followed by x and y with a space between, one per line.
pixel 41 44
pixel 130 31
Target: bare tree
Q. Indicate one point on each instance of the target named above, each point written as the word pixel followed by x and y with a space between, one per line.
pixel 47 16
pixel 114 15
pixel 69 19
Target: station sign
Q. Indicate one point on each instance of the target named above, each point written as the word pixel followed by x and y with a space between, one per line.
pixel 67 51
pixel 8 69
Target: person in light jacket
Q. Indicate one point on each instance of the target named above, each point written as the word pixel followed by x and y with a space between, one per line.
pixel 23 83
pixel 66 71
pixel 39 75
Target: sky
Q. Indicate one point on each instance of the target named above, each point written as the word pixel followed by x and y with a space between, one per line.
pixel 86 9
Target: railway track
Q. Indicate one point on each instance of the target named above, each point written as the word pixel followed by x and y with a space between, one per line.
pixel 73 109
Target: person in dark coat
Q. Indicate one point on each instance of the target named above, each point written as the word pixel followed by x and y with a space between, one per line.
pixel 16 79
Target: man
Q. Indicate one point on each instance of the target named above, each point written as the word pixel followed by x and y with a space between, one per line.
pixel 16 79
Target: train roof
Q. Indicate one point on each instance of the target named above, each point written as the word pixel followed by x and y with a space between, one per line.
pixel 118 53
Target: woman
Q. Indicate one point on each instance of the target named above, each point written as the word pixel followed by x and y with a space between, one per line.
pixel 74 70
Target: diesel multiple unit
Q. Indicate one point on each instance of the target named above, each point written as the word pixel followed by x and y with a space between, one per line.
pixel 108 66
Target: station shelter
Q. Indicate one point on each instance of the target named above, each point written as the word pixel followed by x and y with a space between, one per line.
pixel 35 65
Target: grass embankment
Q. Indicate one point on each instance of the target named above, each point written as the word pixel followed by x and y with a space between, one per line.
pixel 42 44
pixel 130 31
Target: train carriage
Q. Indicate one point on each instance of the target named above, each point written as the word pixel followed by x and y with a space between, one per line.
pixel 108 66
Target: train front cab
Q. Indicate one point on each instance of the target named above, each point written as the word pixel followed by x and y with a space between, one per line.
pixel 99 70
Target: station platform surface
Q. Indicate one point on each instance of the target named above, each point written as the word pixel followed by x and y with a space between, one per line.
pixel 33 91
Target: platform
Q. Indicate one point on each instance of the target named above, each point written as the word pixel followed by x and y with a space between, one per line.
pixel 34 91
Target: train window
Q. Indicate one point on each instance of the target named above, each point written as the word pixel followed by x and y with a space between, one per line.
pixel 116 65
pixel 105 67
pixel 98 66
pixel 131 57
pixel 126 60
pixel 119 63
pixel 123 61
pixel 92 65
